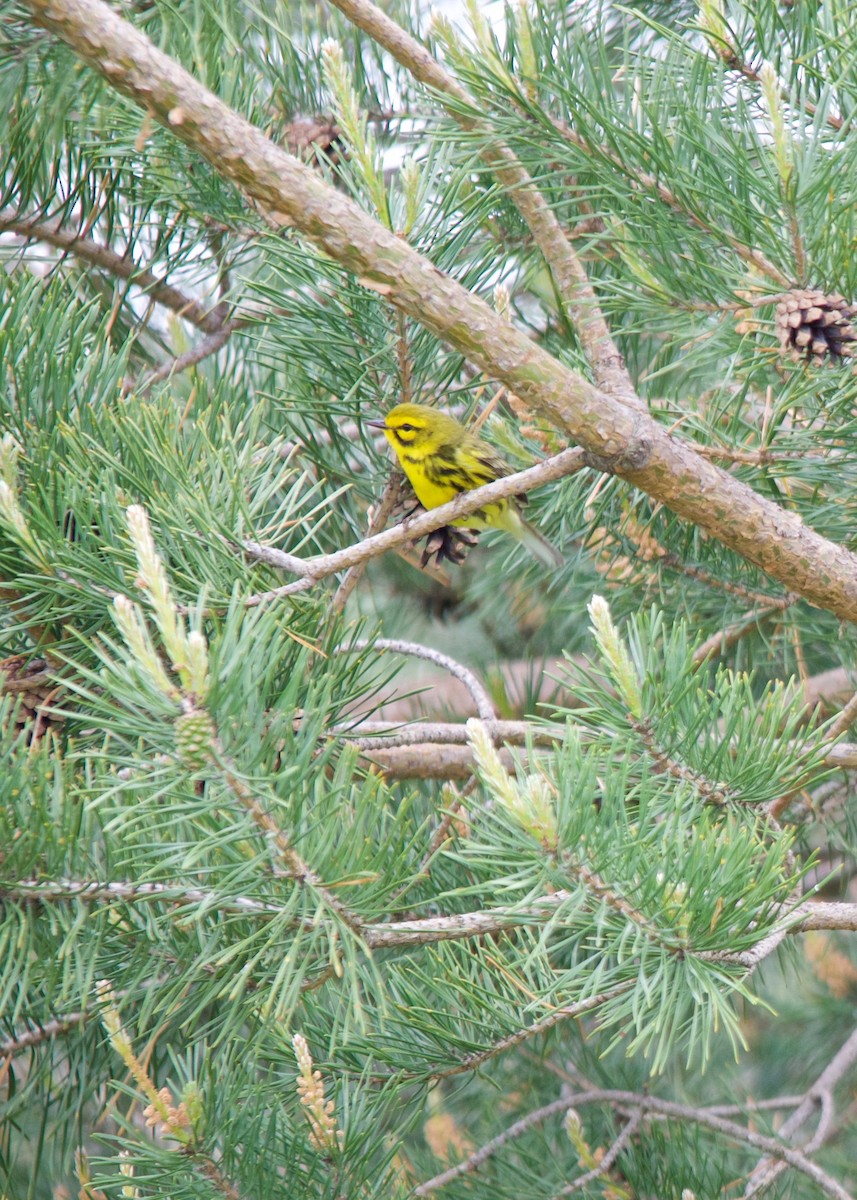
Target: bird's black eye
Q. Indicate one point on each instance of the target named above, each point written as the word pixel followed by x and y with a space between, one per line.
pixel 408 428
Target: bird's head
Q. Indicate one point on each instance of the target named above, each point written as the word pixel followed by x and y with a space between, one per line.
pixel 418 427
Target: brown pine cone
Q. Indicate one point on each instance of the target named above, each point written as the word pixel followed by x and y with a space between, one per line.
pixel 450 543
pixel 305 135
pixel 29 680
pixel 812 325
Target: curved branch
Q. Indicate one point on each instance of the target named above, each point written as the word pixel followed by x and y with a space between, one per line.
pixel 617 439
pixel 196 354
pixel 820 1094
pixel 607 1161
pixel 484 707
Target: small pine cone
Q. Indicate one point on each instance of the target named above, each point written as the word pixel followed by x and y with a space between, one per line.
pixel 813 325
pixel 194 737
pixel 306 135
pixel 450 543
pixel 29 681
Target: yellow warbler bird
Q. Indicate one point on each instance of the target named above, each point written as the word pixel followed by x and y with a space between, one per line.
pixel 441 459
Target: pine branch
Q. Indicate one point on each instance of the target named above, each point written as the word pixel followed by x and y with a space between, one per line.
pixel 725 639
pixel 373 735
pixel 646 1107
pixel 439 752
pixel 645 182
pixel 845 719
pixel 425 760
pixel 819 1096
pixel 720 38
pixel 610 1155
pixel 475 1160
pixel 615 437
pixel 122 266
pixel 568 1012
pixel 45 891
pixel 42 1033
pixel 812 915
pixel 196 354
pixel 297 868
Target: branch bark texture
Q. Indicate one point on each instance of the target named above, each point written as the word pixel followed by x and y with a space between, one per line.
pixel 617 438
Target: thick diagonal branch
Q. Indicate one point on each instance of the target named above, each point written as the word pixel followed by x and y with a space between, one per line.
pixel 618 439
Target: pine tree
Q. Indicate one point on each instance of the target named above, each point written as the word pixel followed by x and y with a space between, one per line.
pixel 281 916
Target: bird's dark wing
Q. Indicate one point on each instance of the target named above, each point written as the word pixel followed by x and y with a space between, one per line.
pixel 487 465
pixel 491 464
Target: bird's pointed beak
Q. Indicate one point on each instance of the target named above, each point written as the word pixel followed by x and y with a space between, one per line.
pixel 376 424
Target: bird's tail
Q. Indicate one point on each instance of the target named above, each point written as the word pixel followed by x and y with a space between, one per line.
pixel 539 546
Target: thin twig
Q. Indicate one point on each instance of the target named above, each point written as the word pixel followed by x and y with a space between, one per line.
pixel 297 868
pixel 675 563
pixel 610 1156
pixel 377 521
pixel 724 639
pixel 757 458
pixel 475 1160
pixel 204 349
pixel 730 56
pixel 212 1172
pixel 844 721
pixel 568 1012
pixel 480 697
pixel 42 1033
pixel 439 837
pixel 650 183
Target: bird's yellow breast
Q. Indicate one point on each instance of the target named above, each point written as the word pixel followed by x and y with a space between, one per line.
pixel 437 479
pixel 431 488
